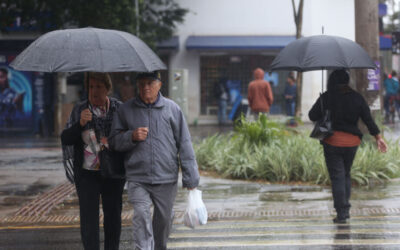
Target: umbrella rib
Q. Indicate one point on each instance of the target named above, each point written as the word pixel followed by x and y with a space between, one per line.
pixel 341 52
pixel 132 47
pixel 65 41
pixel 304 52
pixel 101 54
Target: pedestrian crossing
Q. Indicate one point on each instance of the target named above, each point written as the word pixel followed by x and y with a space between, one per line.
pixel 362 232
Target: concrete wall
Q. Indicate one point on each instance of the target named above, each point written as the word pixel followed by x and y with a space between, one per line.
pixel 257 17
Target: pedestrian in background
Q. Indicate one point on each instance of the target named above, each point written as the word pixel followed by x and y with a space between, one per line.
pixel 290 95
pixel 87 129
pixel 221 92
pixel 346 106
pixel 259 94
pixel 153 133
pixel 391 84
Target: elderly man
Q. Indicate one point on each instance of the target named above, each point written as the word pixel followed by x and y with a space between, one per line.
pixel 153 133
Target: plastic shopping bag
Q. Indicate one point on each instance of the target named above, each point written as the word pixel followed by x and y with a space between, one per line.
pixel 196 212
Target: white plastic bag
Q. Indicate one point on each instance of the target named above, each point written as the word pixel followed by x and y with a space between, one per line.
pixel 196 212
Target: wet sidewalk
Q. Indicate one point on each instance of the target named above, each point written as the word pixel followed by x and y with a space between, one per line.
pixel 33 188
pixel 254 215
pixel 242 215
pixel 225 199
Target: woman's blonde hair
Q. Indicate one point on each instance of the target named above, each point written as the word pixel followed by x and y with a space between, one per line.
pixel 101 77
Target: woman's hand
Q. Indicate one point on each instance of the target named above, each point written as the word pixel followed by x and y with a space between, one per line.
pixel 86 116
pixel 104 141
pixel 382 146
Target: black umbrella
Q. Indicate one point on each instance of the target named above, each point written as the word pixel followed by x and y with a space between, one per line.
pixel 88 49
pixel 322 52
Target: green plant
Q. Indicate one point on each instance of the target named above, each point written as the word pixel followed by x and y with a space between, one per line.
pixel 261 131
pixel 282 155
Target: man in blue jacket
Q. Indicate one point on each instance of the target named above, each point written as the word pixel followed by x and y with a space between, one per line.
pixel 153 133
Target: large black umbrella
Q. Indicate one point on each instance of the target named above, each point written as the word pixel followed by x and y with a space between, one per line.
pixel 87 49
pixel 322 52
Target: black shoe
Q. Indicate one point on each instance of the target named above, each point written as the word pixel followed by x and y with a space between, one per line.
pixel 339 220
pixel 346 213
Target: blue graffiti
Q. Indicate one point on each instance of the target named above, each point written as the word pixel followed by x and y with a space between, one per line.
pixel 20 83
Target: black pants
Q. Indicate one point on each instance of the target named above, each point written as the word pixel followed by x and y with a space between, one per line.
pixel 90 187
pixel 339 161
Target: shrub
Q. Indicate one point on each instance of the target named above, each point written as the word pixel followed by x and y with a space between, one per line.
pixel 266 150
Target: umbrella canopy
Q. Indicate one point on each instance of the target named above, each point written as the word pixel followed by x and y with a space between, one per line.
pixel 322 52
pixel 88 49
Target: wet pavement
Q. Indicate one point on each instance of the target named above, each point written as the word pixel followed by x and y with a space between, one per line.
pixel 39 210
pixel 242 215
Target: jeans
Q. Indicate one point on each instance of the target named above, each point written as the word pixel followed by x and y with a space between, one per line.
pixel 222 104
pixel 386 101
pixel 338 161
pixel 90 187
pixel 290 106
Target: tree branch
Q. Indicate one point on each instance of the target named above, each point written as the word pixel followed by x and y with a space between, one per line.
pixel 294 12
pixel 300 17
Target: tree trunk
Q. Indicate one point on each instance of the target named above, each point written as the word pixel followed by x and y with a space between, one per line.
pixel 367 35
pixel 298 19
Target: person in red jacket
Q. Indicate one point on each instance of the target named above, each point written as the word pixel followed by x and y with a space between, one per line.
pixel 259 94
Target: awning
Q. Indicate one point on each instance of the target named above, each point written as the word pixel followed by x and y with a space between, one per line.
pixel 237 42
pixel 385 43
pixel 169 44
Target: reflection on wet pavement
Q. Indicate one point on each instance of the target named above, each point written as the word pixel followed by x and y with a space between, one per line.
pixel 242 215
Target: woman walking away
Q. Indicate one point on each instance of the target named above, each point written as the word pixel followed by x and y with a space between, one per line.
pixel 87 130
pixel 346 106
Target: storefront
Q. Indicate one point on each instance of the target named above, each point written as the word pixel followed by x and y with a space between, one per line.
pixel 233 59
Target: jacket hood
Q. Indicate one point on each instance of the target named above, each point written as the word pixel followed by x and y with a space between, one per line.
pixel 258 74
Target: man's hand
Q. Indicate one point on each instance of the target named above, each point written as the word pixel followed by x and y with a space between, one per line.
pixel 86 116
pixel 140 134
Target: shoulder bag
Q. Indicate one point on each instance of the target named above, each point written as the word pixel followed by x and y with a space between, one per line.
pixel 323 127
pixel 111 163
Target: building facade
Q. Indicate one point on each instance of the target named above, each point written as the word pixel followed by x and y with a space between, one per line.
pixel 230 38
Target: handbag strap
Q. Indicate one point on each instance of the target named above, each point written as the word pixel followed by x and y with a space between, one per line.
pixel 322 103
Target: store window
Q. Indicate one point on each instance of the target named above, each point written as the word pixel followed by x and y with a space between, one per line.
pixel 238 69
